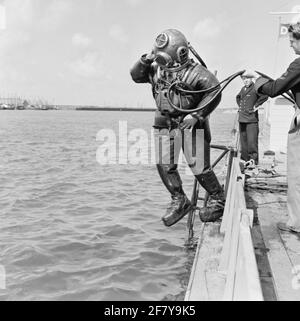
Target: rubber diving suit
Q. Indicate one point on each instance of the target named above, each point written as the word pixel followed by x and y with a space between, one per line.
pixel 169 62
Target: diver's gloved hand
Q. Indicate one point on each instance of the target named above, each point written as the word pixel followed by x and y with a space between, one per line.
pixel 148 58
pixel 188 122
pixel 251 74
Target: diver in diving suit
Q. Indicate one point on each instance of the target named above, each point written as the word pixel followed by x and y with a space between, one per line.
pixel 168 62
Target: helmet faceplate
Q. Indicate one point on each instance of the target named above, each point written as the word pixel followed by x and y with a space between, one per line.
pixel 171 48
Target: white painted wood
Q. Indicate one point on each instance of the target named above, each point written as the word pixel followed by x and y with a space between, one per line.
pixel 224 260
pixel 237 202
pixel 245 283
pixel 205 283
pixel 240 289
pixel 230 280
pixel 250 215
pixel 280 255
pixel 195 277
pixel 280 119
pixel 252 277
pixel 226 220
pixel 232 255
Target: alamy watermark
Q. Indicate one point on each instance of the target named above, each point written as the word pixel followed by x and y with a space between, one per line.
pixel 2 278
pixel 158 146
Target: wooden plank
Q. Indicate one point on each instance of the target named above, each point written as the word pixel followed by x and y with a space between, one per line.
pixel 196 277
pixel 252 278
pixel 205 283
pixel 228 235
pixel 232 230
pixel 240 206
pixel 273 259
pixel 271 211
pixel 247 283
pixel 264 269
pixel 241 195
pixel 292 244
pixel 229 287
pixel 240 290
pixel 227 217
pixel 230 206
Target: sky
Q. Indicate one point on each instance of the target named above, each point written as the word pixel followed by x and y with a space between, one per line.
pixel 75 52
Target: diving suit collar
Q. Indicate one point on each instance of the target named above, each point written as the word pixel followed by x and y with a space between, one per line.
pixel 175 69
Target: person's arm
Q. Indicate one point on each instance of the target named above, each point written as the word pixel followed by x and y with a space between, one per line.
pixel 205 80
pixel 201 78
pixel 238 99
pixel 261 99
pixel 273 88
pixel 142 69
pixel 279 86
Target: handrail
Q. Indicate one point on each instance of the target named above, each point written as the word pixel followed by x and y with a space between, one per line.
pixel 195 194
pixel 232 151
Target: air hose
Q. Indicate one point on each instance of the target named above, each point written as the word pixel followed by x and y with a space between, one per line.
pixel 178 86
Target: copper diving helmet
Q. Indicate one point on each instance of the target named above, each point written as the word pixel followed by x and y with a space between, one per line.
pixel 171 49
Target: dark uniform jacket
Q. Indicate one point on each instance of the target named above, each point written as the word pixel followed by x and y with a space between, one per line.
pixel 247 100
pixel 290 80
pixel 194 75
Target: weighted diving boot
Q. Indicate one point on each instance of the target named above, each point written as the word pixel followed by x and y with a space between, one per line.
pixel 177 209
pixel 216 202
pixel 180 204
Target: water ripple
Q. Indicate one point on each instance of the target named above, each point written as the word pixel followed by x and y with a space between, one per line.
pixel 72 229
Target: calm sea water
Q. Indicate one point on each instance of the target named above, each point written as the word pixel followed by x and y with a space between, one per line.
pixel 72 229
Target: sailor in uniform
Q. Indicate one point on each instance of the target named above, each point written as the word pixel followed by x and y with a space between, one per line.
pixel 248 101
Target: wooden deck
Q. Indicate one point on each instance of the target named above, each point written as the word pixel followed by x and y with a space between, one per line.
pixel 206 283
pixel 277 253
pixel 225 266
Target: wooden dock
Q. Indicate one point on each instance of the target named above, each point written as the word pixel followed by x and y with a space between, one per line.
pixel 225 265
pixel 272 259
pixel 277 252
